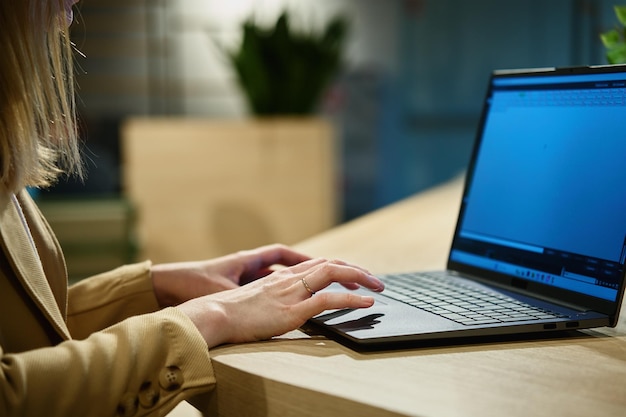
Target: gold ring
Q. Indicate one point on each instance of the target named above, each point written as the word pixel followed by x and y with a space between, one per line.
pixel 306 286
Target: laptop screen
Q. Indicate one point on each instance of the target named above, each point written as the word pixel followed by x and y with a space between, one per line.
pixel 547 198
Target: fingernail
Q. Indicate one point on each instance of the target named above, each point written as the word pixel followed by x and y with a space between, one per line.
pixel 379 284
pixel 367 301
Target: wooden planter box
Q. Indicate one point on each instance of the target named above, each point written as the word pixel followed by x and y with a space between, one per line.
pixel 203 188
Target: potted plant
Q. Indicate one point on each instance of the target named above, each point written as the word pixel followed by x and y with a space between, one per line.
pixel 242 183
pixel 614 40
pixel 283 71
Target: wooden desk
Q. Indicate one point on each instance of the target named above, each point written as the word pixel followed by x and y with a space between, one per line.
pixel 299 375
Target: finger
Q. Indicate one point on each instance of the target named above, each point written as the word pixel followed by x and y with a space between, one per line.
pixel 296 270
pixel 331 301
pixel 340 262
pixel 266 256
pixel 306 266
pixel 324 274
pixel 351 286
pixel 346 285
pixel 278 254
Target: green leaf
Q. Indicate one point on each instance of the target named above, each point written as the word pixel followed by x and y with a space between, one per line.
pixel 620 12
pixel 610 38
pixel 283 72
pixel 617 55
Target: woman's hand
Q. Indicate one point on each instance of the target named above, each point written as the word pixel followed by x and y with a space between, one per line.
pixel 278 303
pixel 175 283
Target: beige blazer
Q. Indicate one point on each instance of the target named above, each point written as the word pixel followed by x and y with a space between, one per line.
pixel 99 348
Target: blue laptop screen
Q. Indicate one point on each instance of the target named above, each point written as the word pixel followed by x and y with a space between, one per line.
pixel 547 198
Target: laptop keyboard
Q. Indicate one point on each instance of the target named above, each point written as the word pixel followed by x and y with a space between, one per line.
pixel 462 303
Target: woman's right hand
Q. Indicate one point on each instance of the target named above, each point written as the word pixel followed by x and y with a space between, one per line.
pixel 279 302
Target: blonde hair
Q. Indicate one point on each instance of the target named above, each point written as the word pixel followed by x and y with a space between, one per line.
pixel 38 133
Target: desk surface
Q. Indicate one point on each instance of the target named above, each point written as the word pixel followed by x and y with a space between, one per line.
pixel 300 375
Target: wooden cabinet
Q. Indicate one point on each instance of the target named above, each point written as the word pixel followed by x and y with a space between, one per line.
pixel 203 188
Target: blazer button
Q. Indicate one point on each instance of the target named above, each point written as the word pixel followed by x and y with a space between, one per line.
pixel 171 378
pixel 148 394
pixel 128 405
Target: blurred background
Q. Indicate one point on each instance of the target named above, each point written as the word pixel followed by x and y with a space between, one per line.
pixel 402 106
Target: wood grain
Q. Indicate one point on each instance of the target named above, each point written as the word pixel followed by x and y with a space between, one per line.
pixel 575 374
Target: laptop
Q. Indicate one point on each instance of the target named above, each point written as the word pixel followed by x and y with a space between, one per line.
pixel 540 240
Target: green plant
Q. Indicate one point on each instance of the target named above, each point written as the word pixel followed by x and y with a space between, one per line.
pixel 615 40
pixel 285 72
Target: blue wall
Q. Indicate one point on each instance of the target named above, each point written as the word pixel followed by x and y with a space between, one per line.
pixel 408 131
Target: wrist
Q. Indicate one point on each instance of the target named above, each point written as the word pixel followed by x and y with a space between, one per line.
pixel 209 318
pixel 161 286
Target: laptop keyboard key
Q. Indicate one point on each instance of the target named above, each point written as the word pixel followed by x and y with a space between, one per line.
pixel 459 302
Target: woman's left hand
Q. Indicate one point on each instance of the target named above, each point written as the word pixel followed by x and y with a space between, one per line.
pixel 175 283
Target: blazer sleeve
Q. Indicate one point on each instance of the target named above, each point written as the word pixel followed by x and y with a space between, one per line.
pixel 106 299
pixel 144 365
